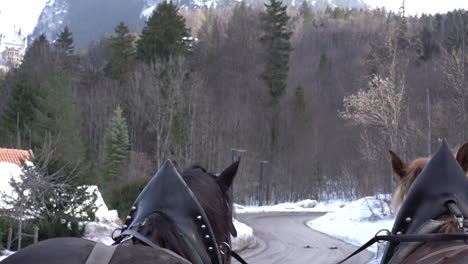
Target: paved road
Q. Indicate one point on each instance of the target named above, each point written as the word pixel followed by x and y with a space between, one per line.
pixel 283 238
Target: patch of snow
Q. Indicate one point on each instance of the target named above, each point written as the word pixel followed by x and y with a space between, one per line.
pixel 106 221
pixel 100 232
pixel 8 171
pixel 103 214
pixel 307 203
pixel 245 237
pixel 301 206
pixel 356 222
pixel 147 12
pixel 5 253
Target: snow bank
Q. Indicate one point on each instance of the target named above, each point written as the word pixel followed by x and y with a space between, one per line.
pixel 106 221
pixel 103 214
pixel 356 222
pixel 8 171
pixel 5 253
pixel 245 238
pixel 301 206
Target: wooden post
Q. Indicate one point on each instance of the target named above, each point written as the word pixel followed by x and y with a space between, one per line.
pixel 10 234
pixel 36 234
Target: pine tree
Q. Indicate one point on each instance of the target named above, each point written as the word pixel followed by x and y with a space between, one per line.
pixel 19 113
pixel 275 40
pixel 306 12
pixel 122 52
pixel 16 119
pixel 165 34
pixel 117 149
pixel 56 118
pixel 64 41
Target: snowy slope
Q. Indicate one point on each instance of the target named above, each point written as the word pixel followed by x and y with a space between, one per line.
pixel 357 222
pixel 52 19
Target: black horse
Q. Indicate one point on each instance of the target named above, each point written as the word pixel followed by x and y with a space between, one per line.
pixel 178 218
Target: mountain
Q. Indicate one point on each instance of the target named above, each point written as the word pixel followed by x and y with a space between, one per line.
pixel 90 19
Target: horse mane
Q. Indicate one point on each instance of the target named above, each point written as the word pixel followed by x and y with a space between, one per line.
pixel 412 171
pixel 216 203
pixel 159 228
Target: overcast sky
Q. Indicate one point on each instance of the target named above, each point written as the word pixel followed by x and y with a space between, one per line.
pixel 418 7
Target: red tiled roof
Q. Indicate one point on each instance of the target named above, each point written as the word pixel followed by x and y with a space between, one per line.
pixel 14 155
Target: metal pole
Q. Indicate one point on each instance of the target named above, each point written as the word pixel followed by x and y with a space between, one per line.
pixel 10 234
pixel 233 159
pixel 20 226
pixel 36 234
pixel 233 155
pixel 260 193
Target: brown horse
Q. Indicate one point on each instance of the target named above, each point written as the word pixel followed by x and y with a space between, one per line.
pixel 406 173
pixel 426 210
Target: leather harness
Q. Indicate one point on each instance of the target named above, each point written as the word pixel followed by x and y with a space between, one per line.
pixel 439 190
pixel 168 193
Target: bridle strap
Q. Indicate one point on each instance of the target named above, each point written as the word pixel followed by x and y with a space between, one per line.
pixel 140 237
pixel 409 238
pixel 239 258
pixel 148 242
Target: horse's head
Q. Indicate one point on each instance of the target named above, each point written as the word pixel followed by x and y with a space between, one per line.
pixel 406 173
pixel 436 202
pixel 189 213
pixel 213 194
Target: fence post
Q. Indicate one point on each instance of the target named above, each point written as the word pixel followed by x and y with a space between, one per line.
pixel 36 234
pixel 10 234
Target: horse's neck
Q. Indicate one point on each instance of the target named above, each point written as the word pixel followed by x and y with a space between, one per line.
pixel 453 252
pixel 438 252
pixel 162 231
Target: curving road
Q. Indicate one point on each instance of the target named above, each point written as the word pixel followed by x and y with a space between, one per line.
pixel 284 238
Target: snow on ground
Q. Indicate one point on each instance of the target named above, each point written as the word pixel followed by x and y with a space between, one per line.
pixel 302 206
pixel 356 222
pixel 8 171
pixel 245 238
pixel 5 253
pixel 106 221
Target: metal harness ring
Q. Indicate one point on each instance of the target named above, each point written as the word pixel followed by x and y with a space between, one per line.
pixel 378 232
pixel 226 245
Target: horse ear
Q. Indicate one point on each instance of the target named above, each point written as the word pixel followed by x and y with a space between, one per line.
pixel 462 156
pixel 226 177
pixel 398 166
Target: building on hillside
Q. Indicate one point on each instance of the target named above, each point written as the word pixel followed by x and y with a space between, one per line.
pixel 13 53
pixel 13 49
pixel 15 156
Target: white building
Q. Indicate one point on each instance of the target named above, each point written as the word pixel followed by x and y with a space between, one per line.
pixel 12 49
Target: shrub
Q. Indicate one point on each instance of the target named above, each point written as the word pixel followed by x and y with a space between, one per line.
pixel 123 196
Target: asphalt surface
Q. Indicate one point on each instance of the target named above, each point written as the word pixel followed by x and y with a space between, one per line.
pixel 285 238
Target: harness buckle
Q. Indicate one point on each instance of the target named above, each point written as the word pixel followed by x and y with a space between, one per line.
pixel 224 248
pixel 460 221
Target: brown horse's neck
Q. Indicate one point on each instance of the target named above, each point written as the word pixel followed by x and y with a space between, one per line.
pixel 443 252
